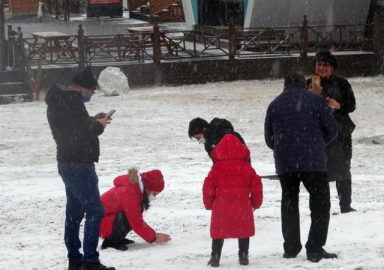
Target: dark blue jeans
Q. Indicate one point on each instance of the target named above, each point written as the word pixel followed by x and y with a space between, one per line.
pixel 83 198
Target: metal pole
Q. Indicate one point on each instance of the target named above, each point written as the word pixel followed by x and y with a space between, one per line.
pixel 2 46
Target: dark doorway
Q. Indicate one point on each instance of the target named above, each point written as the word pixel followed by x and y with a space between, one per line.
pixel 219 12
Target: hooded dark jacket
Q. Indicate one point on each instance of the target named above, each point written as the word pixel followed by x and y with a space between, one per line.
pixel 74 131
pixel 339 152
pixel 298 125
pixel 218 128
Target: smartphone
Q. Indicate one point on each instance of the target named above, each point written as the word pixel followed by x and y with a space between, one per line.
pixel 109 114
pixel 315 81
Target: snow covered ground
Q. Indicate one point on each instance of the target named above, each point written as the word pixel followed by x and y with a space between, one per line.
pixel 149 131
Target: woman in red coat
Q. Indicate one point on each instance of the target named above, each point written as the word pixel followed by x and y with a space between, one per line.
pixel 124 205
pixel 232 190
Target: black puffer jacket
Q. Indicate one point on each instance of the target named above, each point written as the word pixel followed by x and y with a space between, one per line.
pixel 218 128
pixel 74 131
pixel 339 152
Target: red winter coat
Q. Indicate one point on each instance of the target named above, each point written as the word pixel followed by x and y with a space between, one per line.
pixel 127 197
pixel 231 190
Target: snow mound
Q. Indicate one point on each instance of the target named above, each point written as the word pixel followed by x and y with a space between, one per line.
pixel 113 82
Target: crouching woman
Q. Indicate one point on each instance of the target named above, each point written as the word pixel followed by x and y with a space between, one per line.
pixel 124 205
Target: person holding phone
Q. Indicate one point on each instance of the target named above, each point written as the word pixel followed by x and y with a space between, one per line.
pixel 340 98
pixel 76 136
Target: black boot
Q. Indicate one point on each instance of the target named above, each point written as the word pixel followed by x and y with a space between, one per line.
pixel 347 209
pixel 109 244
pixel 243 258
pixel 289 255
pixel 126 241
pixel 75 266
pixel 215 260
pixel 96 266
pixel 316 257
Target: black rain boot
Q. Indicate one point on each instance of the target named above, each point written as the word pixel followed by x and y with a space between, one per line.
pixel 215 260
pixel 243 258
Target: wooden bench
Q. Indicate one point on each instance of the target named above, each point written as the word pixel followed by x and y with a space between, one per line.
pixel 113 47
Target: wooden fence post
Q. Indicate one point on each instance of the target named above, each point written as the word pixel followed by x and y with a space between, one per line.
pixel 2 36
pixel 378 32
pixel 156 43
pixel 304 37
pixel 81 44
pixel 232 39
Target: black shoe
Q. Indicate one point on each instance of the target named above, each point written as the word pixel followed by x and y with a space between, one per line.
pixel 75 266
pixel 126 241
pixel 96 266
pixel 289 255
pixel 348 209
pixel 215 260
pixel 119 246
pixel 316 257
pixel 243 258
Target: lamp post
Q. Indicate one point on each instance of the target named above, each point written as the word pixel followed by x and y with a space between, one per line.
pixel 2 42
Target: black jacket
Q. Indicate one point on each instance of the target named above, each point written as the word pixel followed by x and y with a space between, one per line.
pixel 74 131
pixel 298 125
pixel 339 152
pixel 218 128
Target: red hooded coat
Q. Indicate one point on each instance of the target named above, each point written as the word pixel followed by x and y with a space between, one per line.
pixel 126 197
pixel 231 190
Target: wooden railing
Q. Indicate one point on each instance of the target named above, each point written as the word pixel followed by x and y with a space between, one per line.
pixel 202 42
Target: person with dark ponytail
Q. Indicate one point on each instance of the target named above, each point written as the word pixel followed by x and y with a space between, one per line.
pixel 124 205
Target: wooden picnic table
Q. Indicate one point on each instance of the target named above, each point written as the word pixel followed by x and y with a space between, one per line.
pixel 54 42
pixel 146 34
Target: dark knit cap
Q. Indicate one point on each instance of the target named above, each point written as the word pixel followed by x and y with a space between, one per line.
pixel 85 78
pixel 326 56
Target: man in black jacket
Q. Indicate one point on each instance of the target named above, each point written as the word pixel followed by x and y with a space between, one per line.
pixel 341 99
pixel 211 134
pixel 76 136
pixel 298 125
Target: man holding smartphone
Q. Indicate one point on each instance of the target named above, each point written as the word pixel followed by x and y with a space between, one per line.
pixel 76 136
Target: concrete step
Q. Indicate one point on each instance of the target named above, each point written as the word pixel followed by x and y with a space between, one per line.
pixel 13 88
pixel 10 76
pixel 7 99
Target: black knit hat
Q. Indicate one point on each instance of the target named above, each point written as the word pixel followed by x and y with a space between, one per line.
pixel 326 56
pixel 85 78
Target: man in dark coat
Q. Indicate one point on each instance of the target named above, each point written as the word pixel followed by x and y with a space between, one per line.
pixel 211 134
pixel 76 136
pixel 339 95
pixel 298 125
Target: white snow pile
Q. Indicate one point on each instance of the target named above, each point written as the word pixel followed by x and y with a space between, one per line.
pixel 113 82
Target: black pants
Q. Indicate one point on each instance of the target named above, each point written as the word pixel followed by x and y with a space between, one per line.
pixel 217 245
pixel 344 190
pixel 317 186
pixel 120 229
